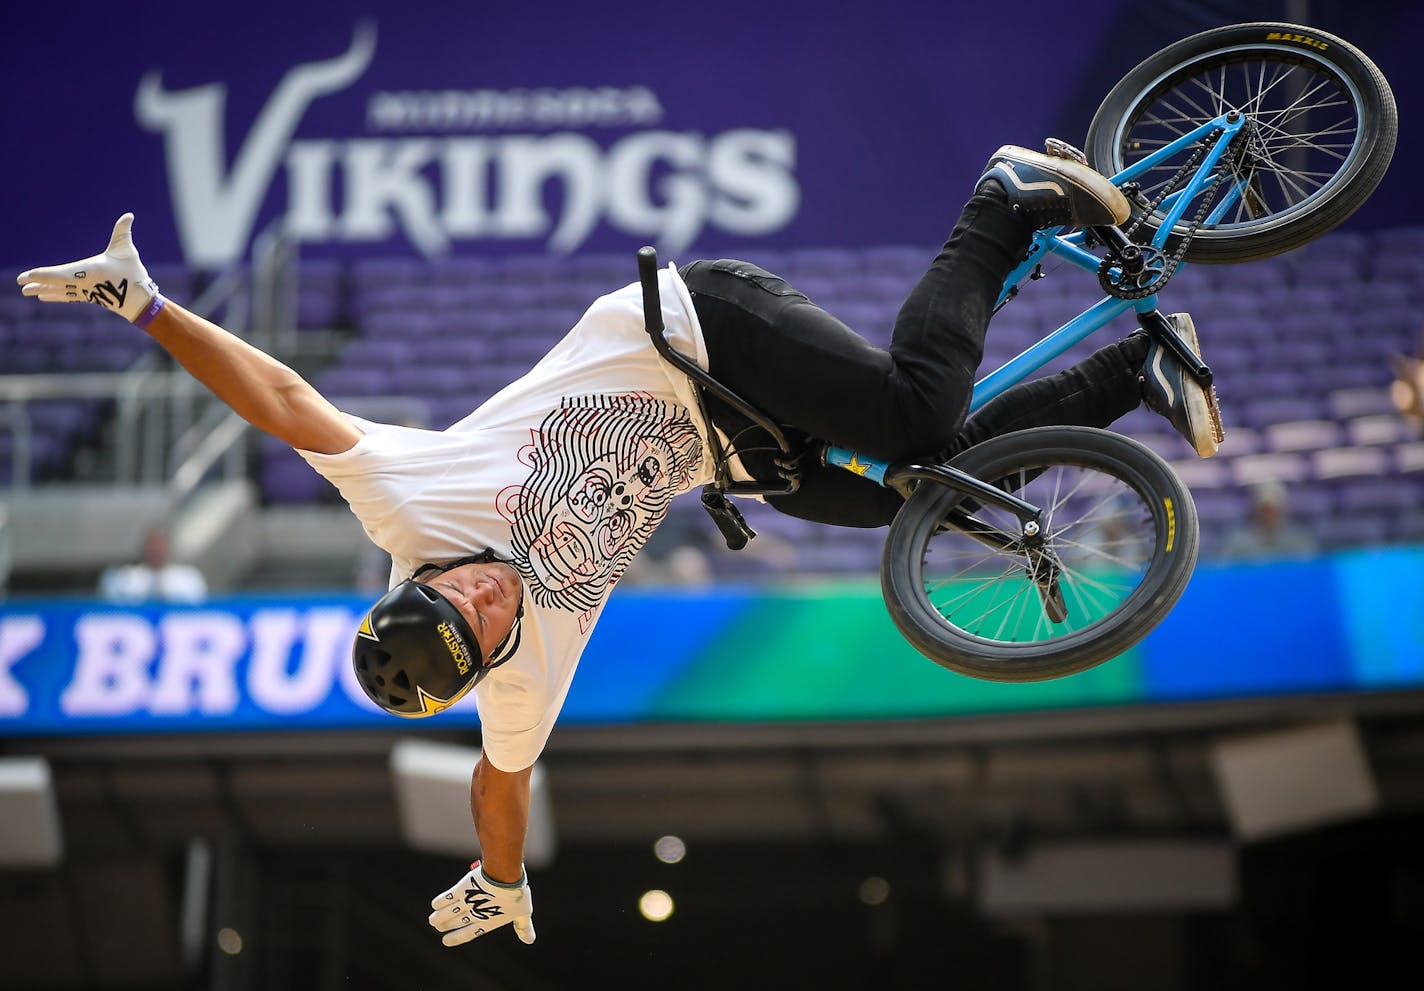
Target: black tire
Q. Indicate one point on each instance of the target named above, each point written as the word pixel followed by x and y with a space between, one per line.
pixel 1115 479
pixel 1316 98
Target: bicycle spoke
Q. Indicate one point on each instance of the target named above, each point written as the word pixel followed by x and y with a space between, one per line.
pixel 1098 536
pixel 1293 153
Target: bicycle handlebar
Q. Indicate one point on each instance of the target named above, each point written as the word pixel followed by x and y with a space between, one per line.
pixel 652 300
pixel 653 320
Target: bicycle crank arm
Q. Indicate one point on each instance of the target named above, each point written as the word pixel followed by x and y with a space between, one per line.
pixel 1156 325
pixel 1121 249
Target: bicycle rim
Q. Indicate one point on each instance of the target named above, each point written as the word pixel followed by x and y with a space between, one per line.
pixel 1305 136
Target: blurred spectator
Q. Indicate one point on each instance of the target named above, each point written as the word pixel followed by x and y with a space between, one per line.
pixel 155 578
pixel 1269 532
pixel 1407 390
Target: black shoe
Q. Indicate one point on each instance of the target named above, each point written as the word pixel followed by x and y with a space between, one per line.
pixel 1169 389
pixel 1053 191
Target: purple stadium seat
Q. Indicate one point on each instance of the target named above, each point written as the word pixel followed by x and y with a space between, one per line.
pixel 464 352
pixel 1226 356
pixel 1189 280
pixel 28 358
pixel 904 261
pixel 803 262
pixel 1200 474
pixel 1374 376
pixel 1310 500
pixel 61 417
pixel 1221 507
pixel 319 308
pixel 1313 298
pixel 1398 239
pixel 1337 532
pixel 611 270
pixel 445 410
pixel 529 270
pixel 1385 326
pixel 108 358
pixel 370 380
pixel 413 325
pixel 820 288
pixel 461 271
pixel 1278 409
pixel 1327 269
pixel 1381 428
pixel 175 281
pixel 879 289
pixel 512 297
pixel 1348 243
pixel 1288 468
pixel 1269 383
pixel 285 478
pixel 370 273
pixel 1387 495
pixel 1345 462
pixel 378 352
pixel 1408 527
pixel 1406 267
pixel 1303 435
pixel 1409 457
pixel 428 380
pixel 1249 279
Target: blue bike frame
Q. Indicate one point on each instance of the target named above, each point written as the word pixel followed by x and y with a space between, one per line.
pixel 1070 249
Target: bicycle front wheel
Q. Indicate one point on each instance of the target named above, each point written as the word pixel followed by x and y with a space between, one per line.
pixel 1320 132
pixel 1120 540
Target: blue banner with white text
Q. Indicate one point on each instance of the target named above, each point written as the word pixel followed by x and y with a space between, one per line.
pixel 1345 623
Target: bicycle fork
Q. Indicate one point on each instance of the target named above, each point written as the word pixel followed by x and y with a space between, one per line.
pixel 1041 564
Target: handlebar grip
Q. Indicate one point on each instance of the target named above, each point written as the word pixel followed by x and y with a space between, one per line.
pixel 652 299
pixel 728 518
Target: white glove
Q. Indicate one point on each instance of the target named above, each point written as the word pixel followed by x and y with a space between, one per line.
pixel 116 279
pixel 476 905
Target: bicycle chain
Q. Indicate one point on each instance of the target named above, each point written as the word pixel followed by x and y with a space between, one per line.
pixel 1169 263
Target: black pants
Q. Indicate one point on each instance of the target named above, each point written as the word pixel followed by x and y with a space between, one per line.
pixel 818 378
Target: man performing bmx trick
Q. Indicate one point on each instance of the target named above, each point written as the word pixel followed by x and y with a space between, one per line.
pixel 508 529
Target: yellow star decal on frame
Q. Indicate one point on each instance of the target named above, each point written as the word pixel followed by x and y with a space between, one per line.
pixel 856 466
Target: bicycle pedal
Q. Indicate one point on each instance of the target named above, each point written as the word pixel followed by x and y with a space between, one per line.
pixel 1213 408
pixel 1062 149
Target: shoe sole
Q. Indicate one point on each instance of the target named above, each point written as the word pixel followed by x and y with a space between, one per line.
pixel 1209 405
pixel 1083 177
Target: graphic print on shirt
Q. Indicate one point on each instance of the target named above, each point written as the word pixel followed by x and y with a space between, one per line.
pixel 603 470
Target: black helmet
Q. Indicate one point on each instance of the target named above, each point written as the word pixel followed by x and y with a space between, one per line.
pixel 415 655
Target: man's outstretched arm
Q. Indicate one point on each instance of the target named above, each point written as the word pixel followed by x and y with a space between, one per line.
pixel 258 387
pixel 499 805
pixel 496 891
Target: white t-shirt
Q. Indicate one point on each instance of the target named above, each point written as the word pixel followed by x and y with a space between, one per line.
pixel 564 473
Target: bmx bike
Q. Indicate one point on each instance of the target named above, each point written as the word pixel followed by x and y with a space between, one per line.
pixel 1040 553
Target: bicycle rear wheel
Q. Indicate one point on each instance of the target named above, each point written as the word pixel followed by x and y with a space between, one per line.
pixel 1321 130
pixel 1120 536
